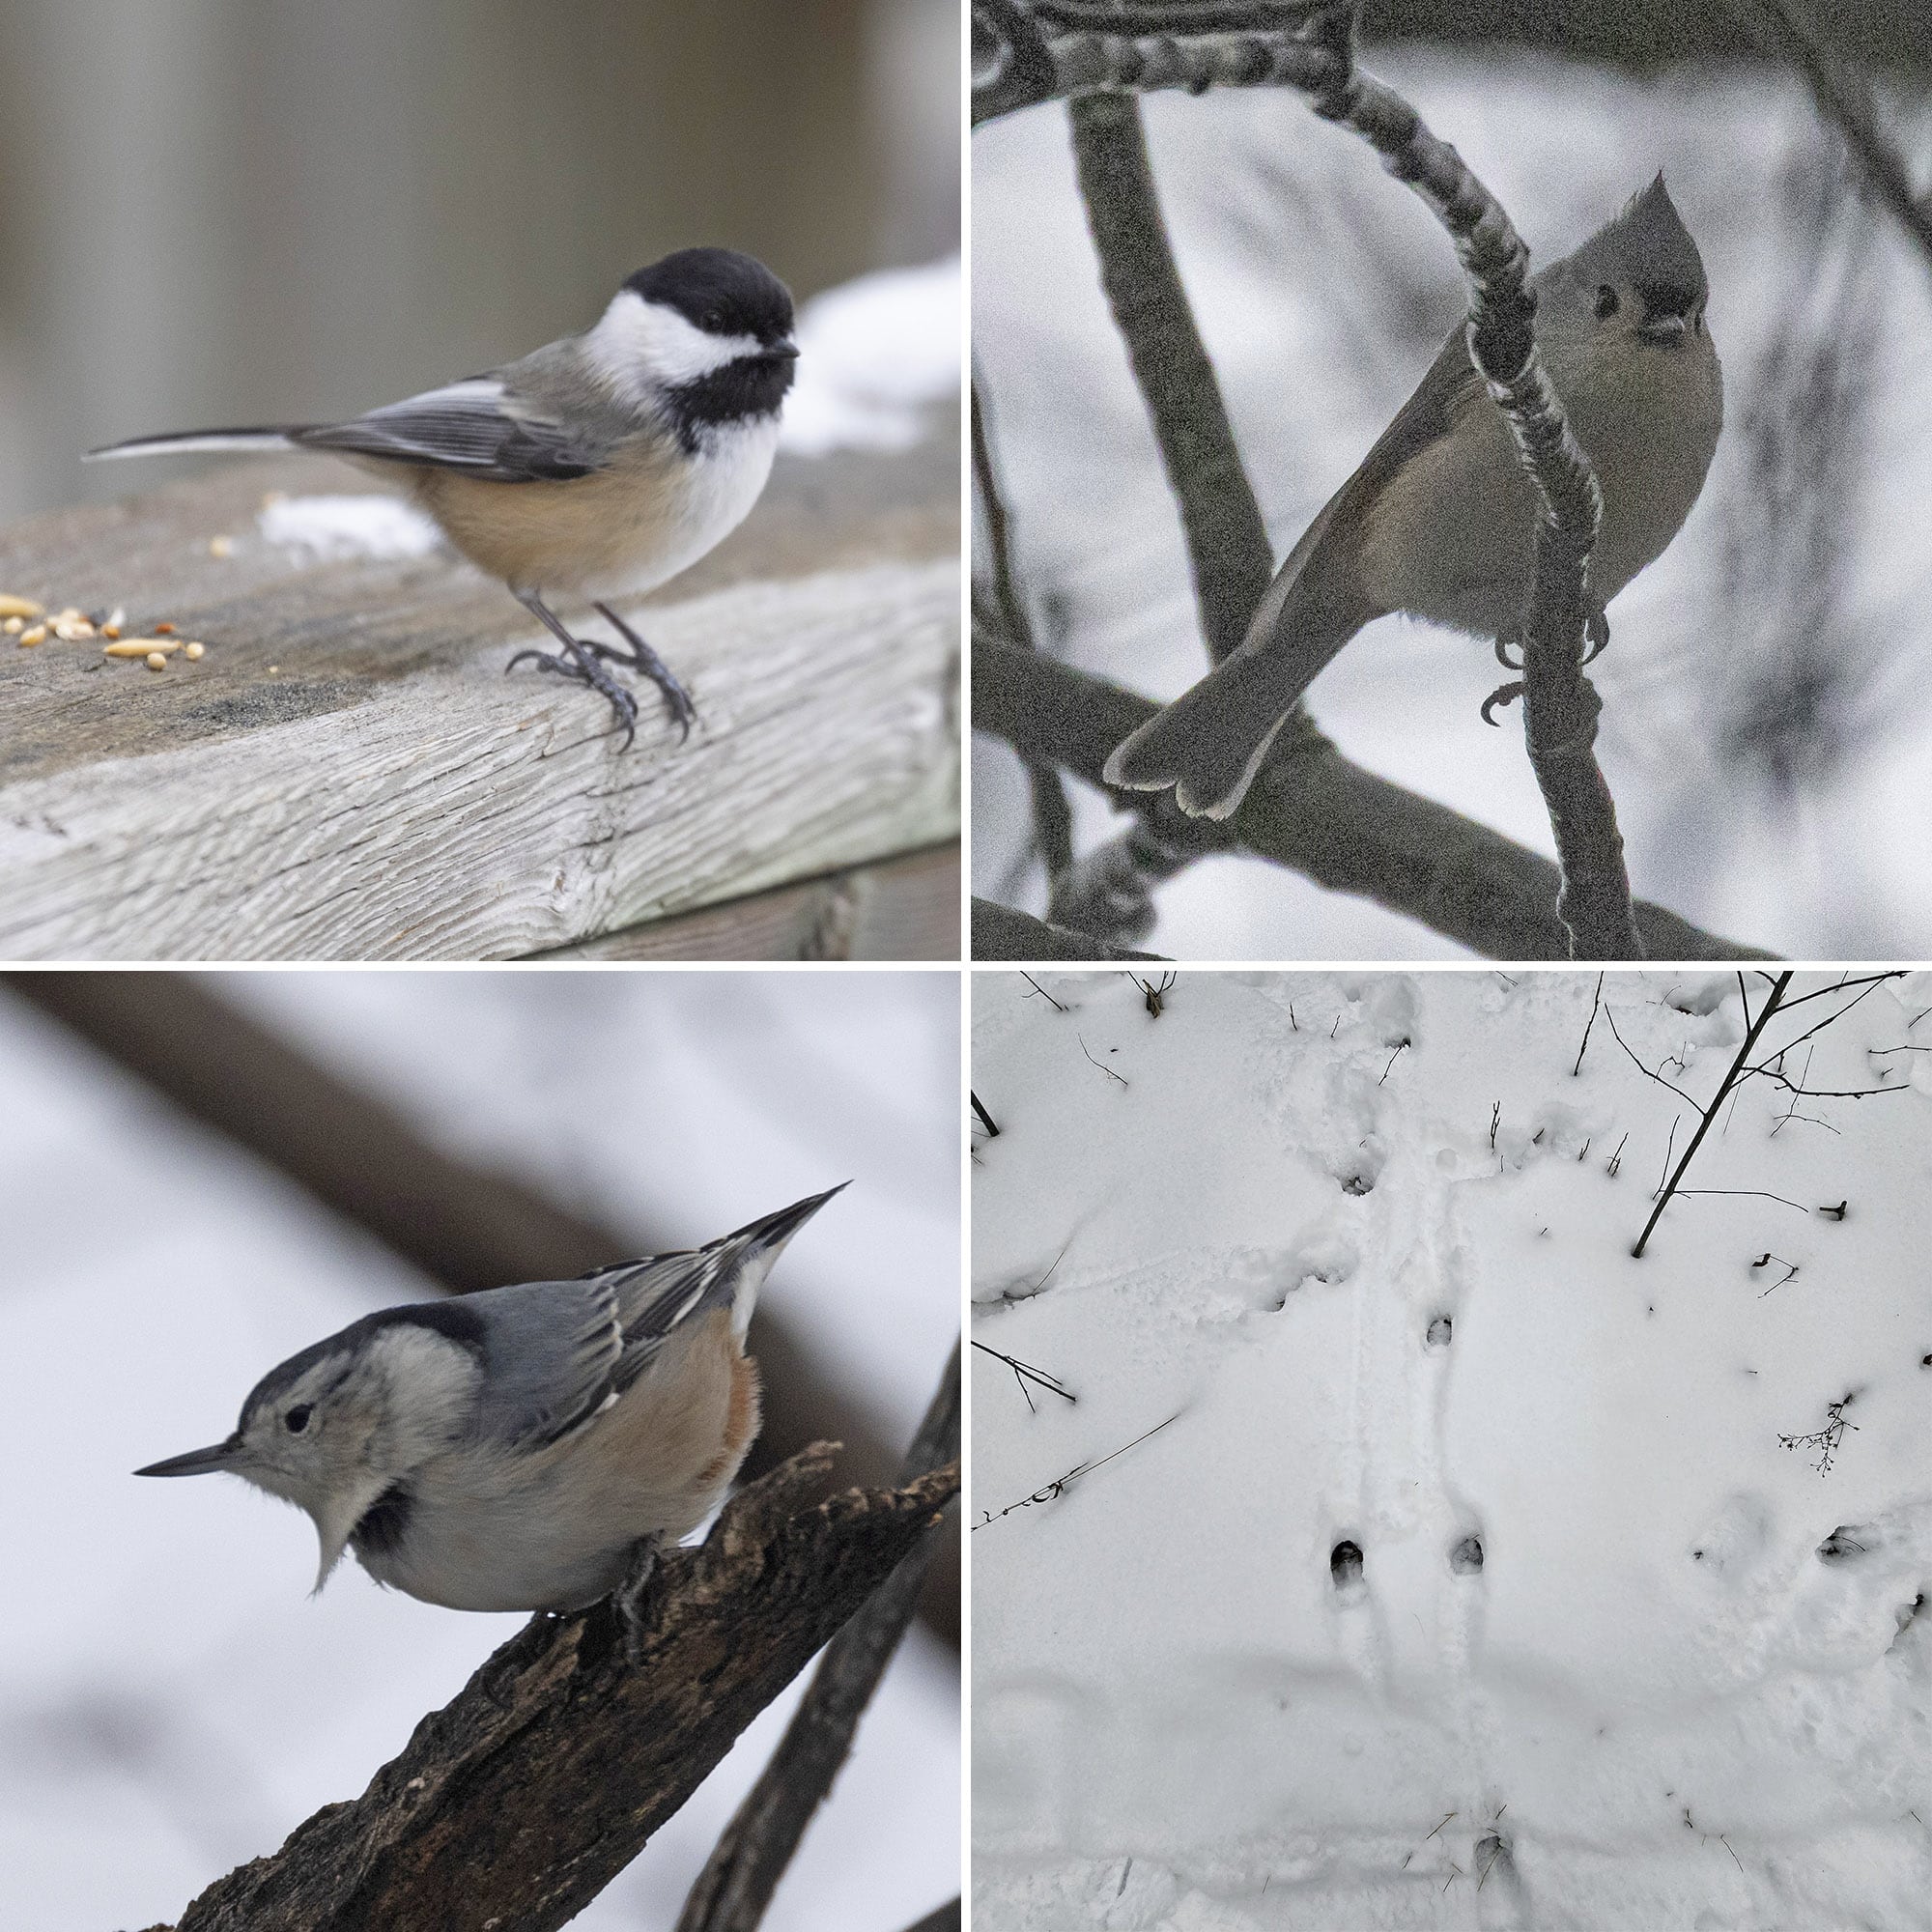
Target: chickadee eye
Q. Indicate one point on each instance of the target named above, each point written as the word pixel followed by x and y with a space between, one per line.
pixel 297 1417
pixel 1606 303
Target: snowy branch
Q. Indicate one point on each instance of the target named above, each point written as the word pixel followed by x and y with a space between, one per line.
pixel 1317 813
pixel 553 1766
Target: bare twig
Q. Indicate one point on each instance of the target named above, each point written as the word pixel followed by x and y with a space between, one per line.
pixel 1043 993
pixel 986 1120
pixel 737 1884
pixel 1595 1001
pixel 1025 1372
pixel 1091 1062
pixel 1826 1440
pixel 1054 1489
pixel 1735 1073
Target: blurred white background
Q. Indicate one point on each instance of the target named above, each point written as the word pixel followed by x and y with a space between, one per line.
pixel 172 1702
pixel 1766 729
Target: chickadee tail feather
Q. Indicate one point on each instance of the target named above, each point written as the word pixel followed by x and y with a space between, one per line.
pixel 188 442
pixel 1209 743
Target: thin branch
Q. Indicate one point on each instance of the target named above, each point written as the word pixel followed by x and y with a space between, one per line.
pixel 1044 993
pixel 1595 1001
pixel 1025 1372
pixel 1648 1073
pixel 986 1120
pixel 1091 1062
pixel 545 1776
pixel 1056 1488
pixel 1843 97
pixel 737 1884
pixel 1313 811
pixel 1735 1071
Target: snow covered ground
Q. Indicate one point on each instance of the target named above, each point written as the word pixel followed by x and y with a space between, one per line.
pixel 1765 730
pixel 1614 1653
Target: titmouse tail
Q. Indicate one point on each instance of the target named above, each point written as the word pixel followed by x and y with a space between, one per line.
pixel 1209 743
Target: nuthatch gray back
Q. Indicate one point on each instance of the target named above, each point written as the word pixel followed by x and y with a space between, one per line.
pixel 524 1448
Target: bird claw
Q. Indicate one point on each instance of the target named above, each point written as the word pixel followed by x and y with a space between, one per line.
pixel 1597 630
pixel 1503 693
pixel 677 699
pixel 582 668
pixel 631 1599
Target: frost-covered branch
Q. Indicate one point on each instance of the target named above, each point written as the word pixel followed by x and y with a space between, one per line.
pixel 1334 822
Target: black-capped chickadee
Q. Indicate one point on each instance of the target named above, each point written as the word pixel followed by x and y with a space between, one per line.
pixel 599 465
pixel 1439 519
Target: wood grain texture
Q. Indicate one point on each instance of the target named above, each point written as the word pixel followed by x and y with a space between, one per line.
pixel 349 775
pixel 904 908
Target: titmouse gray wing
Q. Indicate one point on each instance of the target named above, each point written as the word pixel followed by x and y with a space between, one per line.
pixel 480 426
pixel 558 1351
pixel 1204 743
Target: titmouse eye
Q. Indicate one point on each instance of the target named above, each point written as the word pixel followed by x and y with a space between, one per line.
pixel 1606 303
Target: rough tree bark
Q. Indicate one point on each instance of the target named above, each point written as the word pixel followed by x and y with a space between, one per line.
pixel 514 1805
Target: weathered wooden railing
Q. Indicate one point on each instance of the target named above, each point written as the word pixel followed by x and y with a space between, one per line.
pixel 346 772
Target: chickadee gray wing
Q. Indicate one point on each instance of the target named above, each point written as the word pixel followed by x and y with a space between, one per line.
pixel 483 427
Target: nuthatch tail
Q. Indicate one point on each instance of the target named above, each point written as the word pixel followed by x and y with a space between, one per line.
pixel 526 1448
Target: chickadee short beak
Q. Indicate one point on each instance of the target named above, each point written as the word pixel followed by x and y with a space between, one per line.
pixel 1664 328
pixel 197 1461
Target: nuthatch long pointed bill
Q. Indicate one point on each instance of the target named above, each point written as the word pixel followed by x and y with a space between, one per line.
pixel 515 1449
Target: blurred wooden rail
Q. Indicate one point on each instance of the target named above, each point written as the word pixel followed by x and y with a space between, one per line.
pixel 347 774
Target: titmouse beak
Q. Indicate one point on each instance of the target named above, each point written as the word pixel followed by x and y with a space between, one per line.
pixel 1666 330
pixel 197 1461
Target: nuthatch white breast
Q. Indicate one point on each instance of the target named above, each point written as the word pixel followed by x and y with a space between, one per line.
pixel 524 1448
pixel 600 465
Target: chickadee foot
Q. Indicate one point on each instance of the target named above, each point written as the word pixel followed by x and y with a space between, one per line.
pixel 1509 653
pixel 1503 693
pixel 631 1597
pixel 677 699
pixel 1597 630
pixel 580 666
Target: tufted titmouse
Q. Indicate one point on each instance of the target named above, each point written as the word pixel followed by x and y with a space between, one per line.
pixel 526 1448
pixel 601 464
pixel 1439 519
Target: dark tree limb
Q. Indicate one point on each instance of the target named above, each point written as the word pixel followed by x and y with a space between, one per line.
pixel 544 1777
pixel 1227 542
pixel 1320 815
pixel 945 1919
pixel 1052 815
pixel 1844 97
pixel 467 1227
pixel 745 1866
pixel 1003 932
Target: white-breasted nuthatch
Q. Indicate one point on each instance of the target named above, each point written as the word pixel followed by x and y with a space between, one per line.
pixel 523 1448
pixel 598 465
